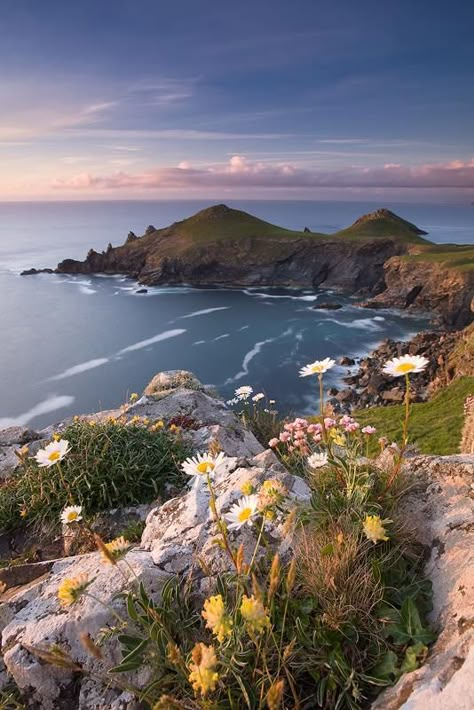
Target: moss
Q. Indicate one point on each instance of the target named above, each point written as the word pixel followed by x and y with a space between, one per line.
pixel 435 426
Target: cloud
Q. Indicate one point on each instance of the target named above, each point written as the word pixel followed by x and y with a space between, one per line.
pixel 240 172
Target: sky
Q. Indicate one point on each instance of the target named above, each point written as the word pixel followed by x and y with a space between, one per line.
pixel 265 99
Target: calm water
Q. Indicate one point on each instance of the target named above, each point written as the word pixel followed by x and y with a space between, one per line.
pixel 77 344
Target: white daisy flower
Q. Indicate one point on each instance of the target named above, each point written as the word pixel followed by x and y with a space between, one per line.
pixel 231 402
pixel 318 367
pixel 257 397
pixel 242 512
pixel 52 453
pixel 71 514
pixel 317 460
pixel 243 392
pixel 405 365
pixel 203 464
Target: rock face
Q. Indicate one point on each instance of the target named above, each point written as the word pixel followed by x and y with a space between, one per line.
pixel 430 286
pixel 442 510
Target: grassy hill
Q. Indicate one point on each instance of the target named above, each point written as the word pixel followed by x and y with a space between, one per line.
pixel 435 426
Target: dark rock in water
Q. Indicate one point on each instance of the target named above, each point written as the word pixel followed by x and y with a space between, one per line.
pixel 142 290
pixel 32 272
pixel 327 306
pixel 332 391
pixel 346 395
pixel 150 229
pixel 371 304
pixel 306 230
pixel 347 361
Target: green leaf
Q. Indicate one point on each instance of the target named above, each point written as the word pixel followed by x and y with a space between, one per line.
pixel 387 667
pixel 414 657
pixel 327 549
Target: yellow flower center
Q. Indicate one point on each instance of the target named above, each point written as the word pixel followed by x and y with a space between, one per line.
pixel 72 516
pixel 205 467
pixel 244 514
pixel 54 455
pixel 405 367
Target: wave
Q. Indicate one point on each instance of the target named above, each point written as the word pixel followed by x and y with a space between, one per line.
pixel 361 324
pixel 258 294
pixel 82 367
pixel 50 404
pixel 150 341
pixel 86 290
pixel 204 312
pixel 221 337
pixel 257 348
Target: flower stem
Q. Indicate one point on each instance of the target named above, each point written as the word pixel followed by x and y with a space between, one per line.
pixel 257 545
pixel 219 522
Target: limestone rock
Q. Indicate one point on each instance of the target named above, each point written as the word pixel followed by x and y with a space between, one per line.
pixel 442 510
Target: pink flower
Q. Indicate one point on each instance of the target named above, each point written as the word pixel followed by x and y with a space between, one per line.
pixel 314 429
pixel 369 430
pixel 300 435
pixel 301 422
pixel 273 443
pixel 329 422
pixel 317 438
pixel 352 426
pixel 285 436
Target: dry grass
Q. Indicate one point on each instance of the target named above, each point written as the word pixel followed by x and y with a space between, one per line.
pixel 334 569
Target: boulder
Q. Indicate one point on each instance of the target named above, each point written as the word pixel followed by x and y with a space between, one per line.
pixel 327 306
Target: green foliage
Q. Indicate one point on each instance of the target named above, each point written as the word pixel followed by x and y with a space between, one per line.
pixel 10 698
pixel 109 464
pixel 133 531
pixel 435 426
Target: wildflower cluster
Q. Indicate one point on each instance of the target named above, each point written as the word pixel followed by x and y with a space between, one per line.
pixel 274 632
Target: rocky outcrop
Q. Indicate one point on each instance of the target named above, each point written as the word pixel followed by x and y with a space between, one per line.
pixel 467 436
pixel 417 284
pixel 439 506
pixel 441 510
pixel 449 357
pixel 177 534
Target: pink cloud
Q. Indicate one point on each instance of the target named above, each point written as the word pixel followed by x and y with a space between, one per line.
pixel 240 172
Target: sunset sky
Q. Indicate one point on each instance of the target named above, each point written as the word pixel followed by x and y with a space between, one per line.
pixel 122 99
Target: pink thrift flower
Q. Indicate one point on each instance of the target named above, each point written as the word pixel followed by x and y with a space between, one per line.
pixel 285 436
pixel 329 422
pixel 369 430
pixel 273 443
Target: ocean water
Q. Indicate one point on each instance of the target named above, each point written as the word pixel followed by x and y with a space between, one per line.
pixel 79 344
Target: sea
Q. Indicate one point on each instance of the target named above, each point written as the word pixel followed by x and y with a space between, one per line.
pixel 79 344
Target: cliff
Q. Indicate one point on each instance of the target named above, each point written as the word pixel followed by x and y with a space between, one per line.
pixel 227 247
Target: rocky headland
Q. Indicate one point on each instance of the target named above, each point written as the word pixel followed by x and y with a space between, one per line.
pixel 381 258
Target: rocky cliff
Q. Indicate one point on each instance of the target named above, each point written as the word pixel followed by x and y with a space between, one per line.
pixel 226 247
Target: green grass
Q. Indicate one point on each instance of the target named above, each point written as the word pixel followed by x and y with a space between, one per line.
pixel 108 465
pixel 435 426
pixel 458 256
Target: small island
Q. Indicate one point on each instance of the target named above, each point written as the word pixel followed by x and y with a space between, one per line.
pixel 381 258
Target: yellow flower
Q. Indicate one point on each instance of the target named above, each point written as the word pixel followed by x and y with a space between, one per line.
pixel 338 438
pixel 271 493
pixel 247 488
pixel 159 424
pixel 91 422
pixel 173 427
pixel 203 676
pixel 254 614
pixel 216 619
pixel 56 436
pixel 146 421
pixel 374 529
pixel 72 588
pixel 133 397
pixel 117 549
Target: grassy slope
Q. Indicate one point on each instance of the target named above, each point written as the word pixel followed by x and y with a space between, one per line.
pixel 380 228
pixel 458 256
pixel 435 426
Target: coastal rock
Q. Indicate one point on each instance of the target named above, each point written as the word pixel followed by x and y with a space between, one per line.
pixel 32 272
pixel 177 534
pixel 327 306
pixel 441 509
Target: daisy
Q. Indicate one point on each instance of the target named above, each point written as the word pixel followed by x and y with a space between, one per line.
pixel 114 551
pixel 242 512
pixel 317 460
pixel 243 392
pixel 52 453
pixel 405 365
pixel 204 464
pixel 72 588
pixel 71 514
pixel 318 367
pixel 257 397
